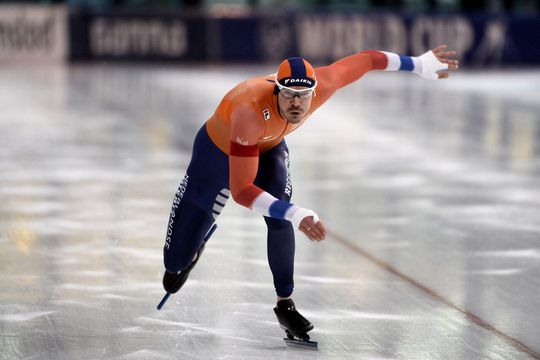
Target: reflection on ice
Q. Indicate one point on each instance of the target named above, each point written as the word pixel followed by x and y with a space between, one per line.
pixel 525 253
pixel 326 280
pixel 143 355
pixel 336 314
pixel 497 272
pixel 18 317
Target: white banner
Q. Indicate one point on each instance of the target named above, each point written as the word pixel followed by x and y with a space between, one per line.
pixel 33 32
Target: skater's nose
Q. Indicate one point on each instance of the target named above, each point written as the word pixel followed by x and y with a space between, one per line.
pixel 296 101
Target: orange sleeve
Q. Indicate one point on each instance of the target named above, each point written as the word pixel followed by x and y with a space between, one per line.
pixel 347 70
pixel 246 129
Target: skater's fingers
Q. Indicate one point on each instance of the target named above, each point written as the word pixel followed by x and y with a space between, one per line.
pixel 320 230
pixel 309 232
pixel 438 49
pixel 321 227
pixel 315 231
pixel 306 224
pixel 305 228
pixel 309 235
pixel 453 64
pixel 314 235
pixel 445 55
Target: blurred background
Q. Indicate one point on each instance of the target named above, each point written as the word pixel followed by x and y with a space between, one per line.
pixel 491 6
pixel 491 33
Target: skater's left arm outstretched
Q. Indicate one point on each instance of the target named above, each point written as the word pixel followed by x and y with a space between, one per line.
pixel 433 64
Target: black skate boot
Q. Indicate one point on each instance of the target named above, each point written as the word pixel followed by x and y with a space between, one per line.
pixel 295 325
pixel 172 282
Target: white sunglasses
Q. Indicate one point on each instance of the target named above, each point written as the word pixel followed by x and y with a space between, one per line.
pixel 289 93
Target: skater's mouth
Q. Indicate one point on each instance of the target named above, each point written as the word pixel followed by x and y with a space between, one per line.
pixel 295 111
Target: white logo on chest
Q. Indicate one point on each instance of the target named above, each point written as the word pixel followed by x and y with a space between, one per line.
pixel 266 114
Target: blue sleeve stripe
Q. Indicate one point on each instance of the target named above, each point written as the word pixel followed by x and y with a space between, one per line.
pixel 406 63
pixel 278 209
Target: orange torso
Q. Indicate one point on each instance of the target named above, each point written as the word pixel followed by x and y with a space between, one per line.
pixel 257 93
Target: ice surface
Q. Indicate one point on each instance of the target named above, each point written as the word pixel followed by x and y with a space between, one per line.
pixel 437 180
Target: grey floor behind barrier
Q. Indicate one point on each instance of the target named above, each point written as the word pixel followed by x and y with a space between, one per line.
pixel 430 191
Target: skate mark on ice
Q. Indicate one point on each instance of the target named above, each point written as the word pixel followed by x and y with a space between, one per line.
pixel 435 295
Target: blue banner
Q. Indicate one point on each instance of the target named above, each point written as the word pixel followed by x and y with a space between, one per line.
pixel 137 36
pixel 320 37
pixel 479 40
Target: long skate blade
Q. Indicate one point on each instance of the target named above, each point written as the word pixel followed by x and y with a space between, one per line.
pixel 163 301
pixel 304 344
pixel 210 232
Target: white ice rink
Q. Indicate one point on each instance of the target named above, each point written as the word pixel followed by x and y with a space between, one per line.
pixel 430 191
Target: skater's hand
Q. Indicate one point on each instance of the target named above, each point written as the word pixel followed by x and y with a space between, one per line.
pixel 315 231
pixel 445 57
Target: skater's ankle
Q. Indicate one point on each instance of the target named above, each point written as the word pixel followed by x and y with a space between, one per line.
pixel 286 305
pixel 279 298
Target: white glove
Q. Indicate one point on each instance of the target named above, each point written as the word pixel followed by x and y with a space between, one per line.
pixel 296 214
pixel 429 66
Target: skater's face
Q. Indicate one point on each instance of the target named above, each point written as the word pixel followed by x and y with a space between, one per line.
pixel 294 105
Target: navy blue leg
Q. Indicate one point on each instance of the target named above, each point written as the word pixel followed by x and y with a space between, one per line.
pixel 280 250
pixel 273 177
pixel 201 196
pixel 188 224
pixel 199 200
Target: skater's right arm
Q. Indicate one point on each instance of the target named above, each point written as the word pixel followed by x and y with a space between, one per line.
pixel 246 130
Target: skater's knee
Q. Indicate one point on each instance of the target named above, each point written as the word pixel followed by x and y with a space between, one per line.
pixel 190 228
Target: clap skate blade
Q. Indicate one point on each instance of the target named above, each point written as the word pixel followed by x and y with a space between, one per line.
pixel 300 342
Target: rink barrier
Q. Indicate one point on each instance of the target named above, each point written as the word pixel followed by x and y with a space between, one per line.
pixel 481 40
pixel 55 33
